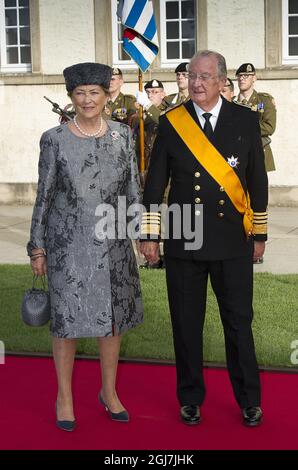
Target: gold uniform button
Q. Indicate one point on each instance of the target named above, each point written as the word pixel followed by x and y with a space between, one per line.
pixel 221 214
pixel 197 187
pixel 221 202
pixel 222 189
pixel 197 213
pixel 197 174
pixel 197 200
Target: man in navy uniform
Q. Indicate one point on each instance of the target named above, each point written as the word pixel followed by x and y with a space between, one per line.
pixel 212 151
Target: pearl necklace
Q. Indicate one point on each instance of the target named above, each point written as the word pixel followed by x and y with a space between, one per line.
pixel 86 133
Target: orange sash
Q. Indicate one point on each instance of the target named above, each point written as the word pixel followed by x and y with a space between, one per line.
pixel 213 162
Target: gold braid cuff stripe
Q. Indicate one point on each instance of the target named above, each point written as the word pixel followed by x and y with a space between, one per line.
pixel 260 229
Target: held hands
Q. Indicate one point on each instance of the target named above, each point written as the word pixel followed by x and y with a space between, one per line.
pixel 143 100
pixel 150 250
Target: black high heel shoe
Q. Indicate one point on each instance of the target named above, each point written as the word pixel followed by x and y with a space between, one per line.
pixel 122 416
pixel 65 425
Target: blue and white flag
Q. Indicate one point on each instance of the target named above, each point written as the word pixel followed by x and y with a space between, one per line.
pixel 140 40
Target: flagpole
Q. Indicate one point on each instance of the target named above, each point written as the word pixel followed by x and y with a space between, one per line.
pixel 142 134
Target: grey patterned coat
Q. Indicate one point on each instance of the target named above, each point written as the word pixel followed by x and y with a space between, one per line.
pixel 93 281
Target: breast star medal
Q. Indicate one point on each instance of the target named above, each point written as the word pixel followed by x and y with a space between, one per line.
pixel 233 162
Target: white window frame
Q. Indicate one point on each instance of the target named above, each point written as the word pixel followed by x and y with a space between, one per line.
pixel 123 64
pixel 170 63
pixel 4 66
pixel 286 58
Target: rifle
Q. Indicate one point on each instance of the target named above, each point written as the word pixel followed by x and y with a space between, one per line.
pixel 65 115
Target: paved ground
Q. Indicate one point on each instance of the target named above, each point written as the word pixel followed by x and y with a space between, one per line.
pixel 281 252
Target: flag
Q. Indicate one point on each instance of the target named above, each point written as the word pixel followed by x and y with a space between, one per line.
pixel 140 40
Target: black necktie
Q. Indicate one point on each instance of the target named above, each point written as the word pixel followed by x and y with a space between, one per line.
pixel 207 126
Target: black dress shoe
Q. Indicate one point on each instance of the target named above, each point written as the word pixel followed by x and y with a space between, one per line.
pixel 65 425
pixel 190 414
pixel 252 416
pixel 121 417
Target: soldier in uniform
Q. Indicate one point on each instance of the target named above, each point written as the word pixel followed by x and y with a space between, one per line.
pixel 120 107
pixel 182 82
pixel 212 150
pixel 153 101
pixel 262 103
pixel 156 94
pixel 154 105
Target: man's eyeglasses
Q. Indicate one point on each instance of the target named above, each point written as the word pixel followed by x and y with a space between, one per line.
pixel 204 77
pixel 244 76
pixel 154 92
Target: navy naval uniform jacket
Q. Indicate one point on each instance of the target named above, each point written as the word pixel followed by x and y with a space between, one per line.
pixel 236 137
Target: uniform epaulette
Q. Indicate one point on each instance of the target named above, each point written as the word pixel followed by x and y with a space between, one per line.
pixel 129 96
pixel 267 95
pixel 241 104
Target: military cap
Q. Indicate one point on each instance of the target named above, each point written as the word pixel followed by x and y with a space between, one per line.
pixel 183 67
pixel 117 71
pixel 246 68
pixel 153 84
pixel 87 73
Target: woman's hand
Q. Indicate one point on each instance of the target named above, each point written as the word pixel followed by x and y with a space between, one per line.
pixel 38 263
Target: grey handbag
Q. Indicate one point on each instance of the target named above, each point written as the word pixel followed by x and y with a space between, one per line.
pixel 36 308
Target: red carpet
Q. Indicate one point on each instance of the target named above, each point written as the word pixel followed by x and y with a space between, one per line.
pixel 27 418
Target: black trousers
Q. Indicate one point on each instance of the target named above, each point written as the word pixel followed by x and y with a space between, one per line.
pixel 232 283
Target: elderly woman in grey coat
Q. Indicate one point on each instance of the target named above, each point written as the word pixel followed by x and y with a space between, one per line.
pixel 85 168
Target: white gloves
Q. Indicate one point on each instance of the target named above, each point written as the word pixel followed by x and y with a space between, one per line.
pixel 143 100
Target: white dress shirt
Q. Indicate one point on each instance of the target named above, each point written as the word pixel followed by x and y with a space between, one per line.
pixel 214 111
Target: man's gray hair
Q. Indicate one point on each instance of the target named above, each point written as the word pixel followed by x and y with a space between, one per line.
pixel 221 61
